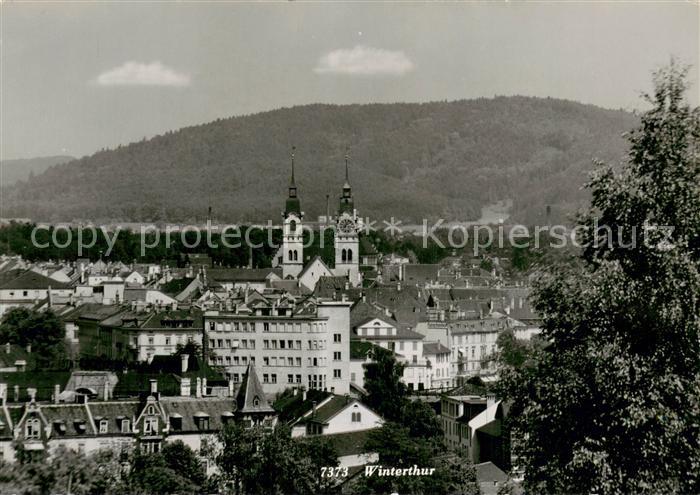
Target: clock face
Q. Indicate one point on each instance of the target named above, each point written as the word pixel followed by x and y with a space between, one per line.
pixel 346 225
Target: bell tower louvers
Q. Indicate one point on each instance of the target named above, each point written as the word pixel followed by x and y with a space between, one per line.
pixel 292 231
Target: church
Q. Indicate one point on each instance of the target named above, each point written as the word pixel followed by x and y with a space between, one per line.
pixel 346 225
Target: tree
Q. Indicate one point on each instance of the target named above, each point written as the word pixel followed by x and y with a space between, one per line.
pixel 613 403
pixel 44 331
pixel 256 461
pixel 396 448
pixel 386 393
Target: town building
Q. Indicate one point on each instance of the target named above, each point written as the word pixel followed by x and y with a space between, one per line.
pixel 292 343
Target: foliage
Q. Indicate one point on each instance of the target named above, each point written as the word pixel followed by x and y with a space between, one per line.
pixel 44 331
pixel 397 448
pixel 256 461
pixel 386 392
pixel 612 405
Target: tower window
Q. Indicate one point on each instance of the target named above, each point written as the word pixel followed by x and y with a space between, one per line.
pixel 290 255
pixel 349 254
pixel 293 226
pixel 344 255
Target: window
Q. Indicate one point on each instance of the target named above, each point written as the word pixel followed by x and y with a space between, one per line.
pixel 298 361
pixel 356 417
pixel 298 378
pixel 266 344
pixel 352 377
pixel 228 343
pixel 251 344
pixel 220 343
pixel 290 378
pixel 212 343
pixel 212 325
pixel 266 361
pixel 103 426
pixel 167 340
pixel 235 360
pixel 297 344
pixel 244 360
pixel 266 378
pixel 282 344
pixel 336 373
pixel 150 425
pixel 150 340
pixel 415 359
pixel 336 356
pixel 290 344
pixel 32 428
pixel 126 426
pixel 290 361
pixel 266 327
pixel 273 377
pixel 236 378
pixel 336 337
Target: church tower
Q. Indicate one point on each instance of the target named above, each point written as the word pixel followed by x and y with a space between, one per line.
pixel 347 241
pixel 292 232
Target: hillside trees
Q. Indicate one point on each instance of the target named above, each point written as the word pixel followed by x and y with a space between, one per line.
pixel 612 405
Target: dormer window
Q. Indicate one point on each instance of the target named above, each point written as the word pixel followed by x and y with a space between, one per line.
pixel 201 419
pixel 150 425
pixel 256 401
pixel 80 426
pixel 104 426
pixel 176 422
pixel 151 410
pixel 126 426
pixel 32 428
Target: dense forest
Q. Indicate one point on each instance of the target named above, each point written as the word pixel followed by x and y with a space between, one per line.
pixel 411 161
pixel 12 171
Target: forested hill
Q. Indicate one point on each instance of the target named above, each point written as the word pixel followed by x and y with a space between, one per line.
pixel 12 171
pixel 411 161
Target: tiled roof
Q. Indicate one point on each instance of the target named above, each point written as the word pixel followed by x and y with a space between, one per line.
pixel 249 392
pixel 70 415
pixel 326 411
pixel 242 274
pixel 27 279
pixel 420 273
pixel 291 407
pixel 351 443
pixel 434 348
pixel 215 409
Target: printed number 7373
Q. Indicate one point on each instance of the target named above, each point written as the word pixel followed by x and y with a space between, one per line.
pixel 333 472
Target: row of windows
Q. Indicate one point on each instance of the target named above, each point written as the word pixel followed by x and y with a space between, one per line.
pixel 228 343
pixel 231 360
pixel 266 326
pixel 281 361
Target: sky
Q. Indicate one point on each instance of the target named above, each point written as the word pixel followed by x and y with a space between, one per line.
pixel 78 77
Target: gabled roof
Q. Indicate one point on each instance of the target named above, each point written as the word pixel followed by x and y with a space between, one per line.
pixel 251 397
pixel 243 274
pixel 434 348
pixel 292 406
pixel 28 279
pixel 328 409
pixel 315 259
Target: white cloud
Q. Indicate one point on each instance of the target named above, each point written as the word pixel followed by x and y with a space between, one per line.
pixel 364 61
pixel 140 74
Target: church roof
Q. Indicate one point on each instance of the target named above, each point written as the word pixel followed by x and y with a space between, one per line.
pixel 250 397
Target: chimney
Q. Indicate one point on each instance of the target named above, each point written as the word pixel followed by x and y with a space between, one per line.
pixel 328 209
pixel 29 348
pixel 520 303
pixel 364 297
pixel 8 348
pixel 56 393
pixel 184 362
pixel 204 387
pixel 347 285
pixel 295 391
pixel 398 287
pixel 313 409
pixel 3 392
pixel 185 387
pixel 231 388
pixel 154 385
pixel 490 401
pixel 512 302
pixel 50 298
pixel 198 389
pixel 31 392
pixel 15 390
pixel 303 395
pixel 105 391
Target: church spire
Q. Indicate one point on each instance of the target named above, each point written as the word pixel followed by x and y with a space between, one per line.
pixel 346 204
pixel 347 174
pixel 292 204
pixel 291 183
